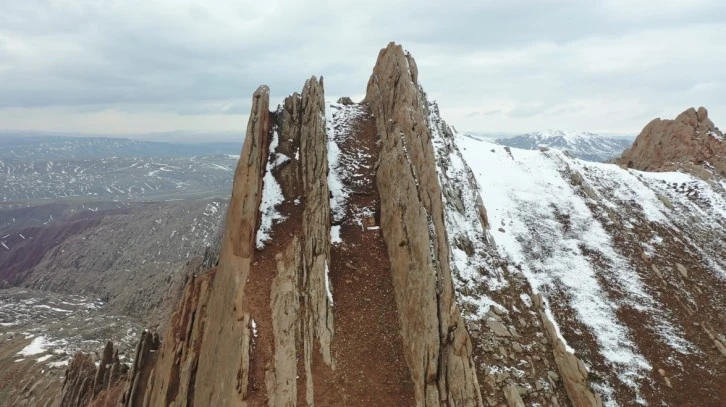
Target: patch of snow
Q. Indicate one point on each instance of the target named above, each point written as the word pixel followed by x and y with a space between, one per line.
pixel 460 195
pixel 44 358
pixel 335 235
pixel 38 345
pixel 220 167
pixel 328 288
pixel 53 308
pixel 338 124
pixel 271 197
pixel 59 363
pixel 254 328
pixel 715 135
pixel 279 160
pixel 623 187
pixel 526 300
pixel 551 317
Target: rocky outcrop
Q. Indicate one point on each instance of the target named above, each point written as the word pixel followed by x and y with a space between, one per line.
pixel 88 384
pixel 437 345
pixel 572 370
pixel 78 385
pixel 688 141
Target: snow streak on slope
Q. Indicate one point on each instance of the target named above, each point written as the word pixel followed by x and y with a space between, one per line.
pixel 690 207
pixel 339 121
pixel 698 205
pixel 271 194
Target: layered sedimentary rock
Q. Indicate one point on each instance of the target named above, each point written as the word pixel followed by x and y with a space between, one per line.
pixel 236 337
pixel 667 145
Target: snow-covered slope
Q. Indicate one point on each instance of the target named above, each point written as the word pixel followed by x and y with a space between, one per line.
pixel 631 264
pixel 584 145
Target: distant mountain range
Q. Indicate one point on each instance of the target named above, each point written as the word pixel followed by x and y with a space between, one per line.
pixel 584 145
pixel 52 147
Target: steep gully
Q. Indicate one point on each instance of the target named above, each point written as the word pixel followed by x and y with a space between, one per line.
pixel 289 316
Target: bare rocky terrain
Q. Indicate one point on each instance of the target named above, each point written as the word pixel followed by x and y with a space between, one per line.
pixel 41 331
pixel 80 267
pixel 112 179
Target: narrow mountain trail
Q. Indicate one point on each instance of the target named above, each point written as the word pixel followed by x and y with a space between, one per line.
pixel 370 368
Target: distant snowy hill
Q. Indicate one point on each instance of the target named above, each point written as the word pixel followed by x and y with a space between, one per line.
pixel 584 145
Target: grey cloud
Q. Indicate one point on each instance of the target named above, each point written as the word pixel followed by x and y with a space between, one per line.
pixel 574 58
pixel 485 113
pixel 527 110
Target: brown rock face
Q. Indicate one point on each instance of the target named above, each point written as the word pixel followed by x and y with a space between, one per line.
pixel 78 385
pixel 667 145
pixel 436 342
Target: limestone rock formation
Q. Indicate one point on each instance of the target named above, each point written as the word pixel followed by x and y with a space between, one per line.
pixel 689 140
pixel 335 282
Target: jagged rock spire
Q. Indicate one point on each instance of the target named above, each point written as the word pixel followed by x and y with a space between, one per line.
pixel 436 342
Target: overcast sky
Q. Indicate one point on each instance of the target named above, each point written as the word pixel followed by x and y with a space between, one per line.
pixel 139 66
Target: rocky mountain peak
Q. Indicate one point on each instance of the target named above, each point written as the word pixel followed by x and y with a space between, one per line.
pixel 691 142
pixel 695 118
pixel 397 65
